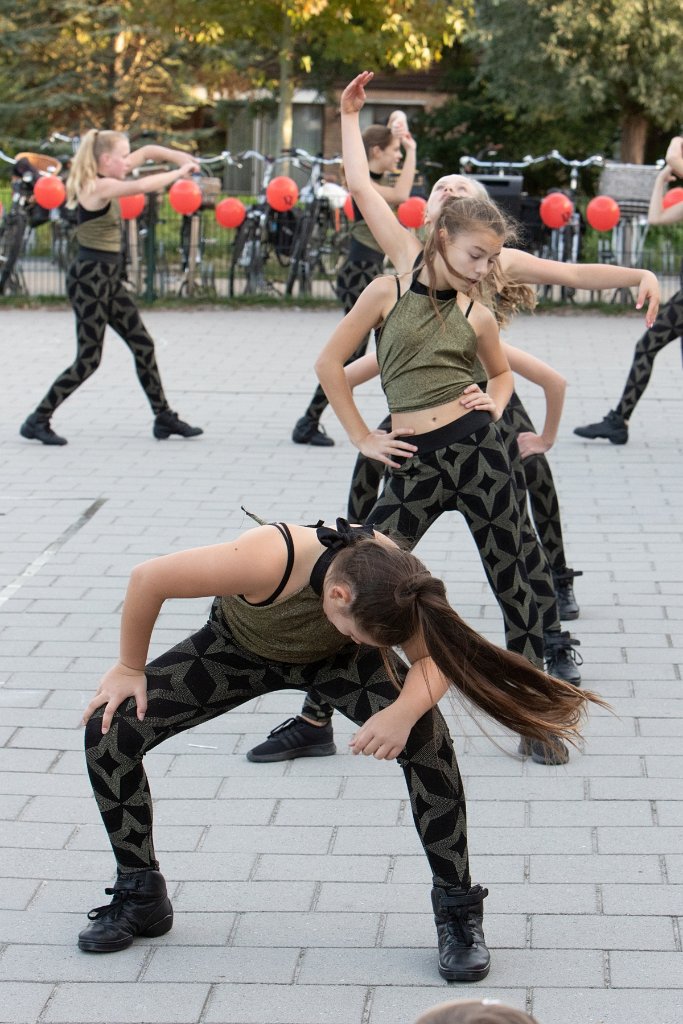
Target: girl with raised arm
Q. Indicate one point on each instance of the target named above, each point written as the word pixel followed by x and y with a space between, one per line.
pixel 303 607
pixel 97 180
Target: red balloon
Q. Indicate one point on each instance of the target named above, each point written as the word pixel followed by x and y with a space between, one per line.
pixel 230 212
pixel 602 213
pixel 348 208
pixel 49 192
pixel 556 210
pixel 411 213
pixel 185 196
pixel 132 206
pixel 282 193
pixel 672 197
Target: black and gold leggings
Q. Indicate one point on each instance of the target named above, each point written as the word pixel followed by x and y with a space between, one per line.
pixel 96 292
pixel 351 280
pixel 209 674
pixel 667 327
pixel 464 467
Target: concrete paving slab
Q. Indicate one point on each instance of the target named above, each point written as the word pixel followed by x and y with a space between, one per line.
pixel 300 888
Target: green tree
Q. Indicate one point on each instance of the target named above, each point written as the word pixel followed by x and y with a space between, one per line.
pixel 615 60
pixel 282 44
pixel 72 64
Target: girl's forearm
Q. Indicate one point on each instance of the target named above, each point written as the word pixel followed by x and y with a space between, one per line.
pixel 334 383
pixel 554 403
pixel 404 182
pixel 140 612
pixel 159 154
pixel 356 168
pixel 500 390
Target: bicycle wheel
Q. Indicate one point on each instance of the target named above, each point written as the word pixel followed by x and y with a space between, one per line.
pixel 299 267
pixel 11 243
pixel 241 259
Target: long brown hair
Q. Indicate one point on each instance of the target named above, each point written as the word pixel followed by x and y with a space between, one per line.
pixel 396 599
pixel 377 135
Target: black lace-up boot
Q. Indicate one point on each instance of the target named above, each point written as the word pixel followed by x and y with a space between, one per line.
pixel 564 591
pixel 307 430
pixel 613 428
pixel 168 422
pixel 37 428
pixel 459 916
pixel 551 752
pixel 140 907
pixel 561 660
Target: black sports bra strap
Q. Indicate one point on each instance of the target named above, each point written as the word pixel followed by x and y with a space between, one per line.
pixel 398 287
pixel 467 311
pixel 284 530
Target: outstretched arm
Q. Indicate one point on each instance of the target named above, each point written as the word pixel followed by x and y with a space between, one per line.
pixel 523 268
pixel 251 565
pixel 396 241
pixel 554 386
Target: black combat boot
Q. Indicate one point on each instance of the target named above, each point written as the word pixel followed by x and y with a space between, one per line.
pixel 140 907
pixel 564 592
pixel 168 422
pixel 613 428
pixel 307 430
pixel 550 752
pixel 37 428
pixel 561 660
pixel 459 916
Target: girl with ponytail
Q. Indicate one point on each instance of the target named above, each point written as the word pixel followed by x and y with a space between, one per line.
pixel 95 280
pixel 309 608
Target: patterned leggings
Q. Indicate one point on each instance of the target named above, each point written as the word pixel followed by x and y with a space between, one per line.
pixel 98 297
pixel 536 481
pixel 207 675
pixel 351 280
pixel 473 476
pixel 667 327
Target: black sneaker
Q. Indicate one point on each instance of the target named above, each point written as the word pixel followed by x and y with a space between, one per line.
pixel 168 422
pixel 140 907
pixel 37 428
pixel 309 431
pixel 295 738
pixel 551 752
pixel 459 918
pixel 614 428
pixel 561 660
pixel 564 592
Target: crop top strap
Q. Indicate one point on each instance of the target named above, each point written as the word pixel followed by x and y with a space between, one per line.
pixel 467 311
pixel 285 531
pixel 334 541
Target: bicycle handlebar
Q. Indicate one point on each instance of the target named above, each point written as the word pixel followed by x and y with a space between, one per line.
pixel 530 161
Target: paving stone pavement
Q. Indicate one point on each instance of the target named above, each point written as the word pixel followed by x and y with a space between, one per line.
pixel 300 890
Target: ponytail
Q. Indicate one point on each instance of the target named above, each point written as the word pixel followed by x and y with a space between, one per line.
pixel 396 599
pixel 84 164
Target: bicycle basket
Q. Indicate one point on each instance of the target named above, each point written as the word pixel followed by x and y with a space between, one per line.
pixel 41 162
pixel 210 188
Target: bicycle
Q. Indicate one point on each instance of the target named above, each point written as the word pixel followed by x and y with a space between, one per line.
pixel 24 216
pixel 564 243
pixel 263 234
pixel 320 245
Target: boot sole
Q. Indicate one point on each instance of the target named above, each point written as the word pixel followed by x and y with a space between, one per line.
pixel 319 750
pixel 153 932
pixel 569 616
pixel 163 435
pixel 464 975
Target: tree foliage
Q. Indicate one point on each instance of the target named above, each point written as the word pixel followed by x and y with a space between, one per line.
pixel 618 61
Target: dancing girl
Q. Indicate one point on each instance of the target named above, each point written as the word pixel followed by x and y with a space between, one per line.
pixel 667 327
pixel 94 282
pixel 309 607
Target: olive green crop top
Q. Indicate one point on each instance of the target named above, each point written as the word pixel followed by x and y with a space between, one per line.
pixel 425 361
pixel 295 630
pixel 100 229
